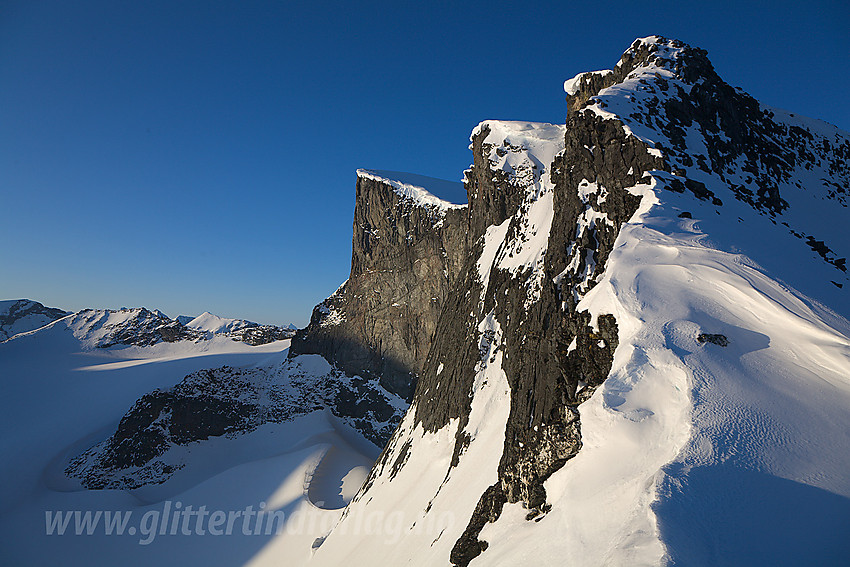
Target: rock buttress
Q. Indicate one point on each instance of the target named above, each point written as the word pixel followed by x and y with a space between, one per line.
pixel 555 356
pixel 406 256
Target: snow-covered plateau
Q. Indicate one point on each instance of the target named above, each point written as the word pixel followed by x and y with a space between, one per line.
pixel 627 343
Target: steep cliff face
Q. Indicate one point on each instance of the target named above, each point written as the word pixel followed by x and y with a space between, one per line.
pixel 537 320
pixel 407 253
pixel 535 264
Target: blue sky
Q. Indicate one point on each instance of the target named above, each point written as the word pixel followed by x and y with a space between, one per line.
pixel 193 156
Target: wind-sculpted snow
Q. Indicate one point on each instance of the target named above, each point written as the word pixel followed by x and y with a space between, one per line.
pixel 688 444
pixel 738 157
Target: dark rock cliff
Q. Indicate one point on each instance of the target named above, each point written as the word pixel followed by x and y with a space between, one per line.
pixel 406 257
pixel 543 429
pixel 411 309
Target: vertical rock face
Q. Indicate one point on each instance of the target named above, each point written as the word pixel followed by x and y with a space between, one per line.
pixel 554 355
pixel 407 253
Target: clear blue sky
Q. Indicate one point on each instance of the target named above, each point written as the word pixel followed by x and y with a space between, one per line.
pixel 193 156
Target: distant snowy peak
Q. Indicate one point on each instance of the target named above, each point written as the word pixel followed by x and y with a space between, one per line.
pixel 209 326
pixel 216 325
pixel 23 315
pixel 431 192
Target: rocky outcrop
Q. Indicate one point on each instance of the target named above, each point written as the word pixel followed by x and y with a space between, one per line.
pixel 408 250
pixel 262 334
pixel 149 445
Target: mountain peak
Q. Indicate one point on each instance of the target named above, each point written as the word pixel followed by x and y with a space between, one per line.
pixel 653 55
pixel 689 63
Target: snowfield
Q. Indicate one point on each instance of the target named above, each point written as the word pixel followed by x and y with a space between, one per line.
pixel 61 397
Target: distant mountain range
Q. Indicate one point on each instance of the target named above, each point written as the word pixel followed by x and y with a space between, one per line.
pixel 103 328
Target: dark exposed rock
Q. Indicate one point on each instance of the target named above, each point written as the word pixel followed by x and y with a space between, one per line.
pixel 716 339
pixel 406 257
pixel 261 334
pixel 468 547
pixel 226 402
pixel 548 379
pixel 200 407
pixel 400 461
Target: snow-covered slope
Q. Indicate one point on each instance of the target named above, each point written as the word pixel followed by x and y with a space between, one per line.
pixel 159 429
pixel 210 326
pixel 209 323
pixel 718 432
pixel 22 315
